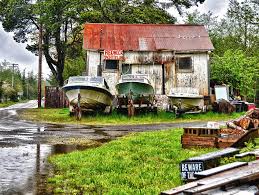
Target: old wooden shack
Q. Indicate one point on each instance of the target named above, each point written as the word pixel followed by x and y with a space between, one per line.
pixel 172 55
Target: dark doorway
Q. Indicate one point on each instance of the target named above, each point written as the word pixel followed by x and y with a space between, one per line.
pixel 163 79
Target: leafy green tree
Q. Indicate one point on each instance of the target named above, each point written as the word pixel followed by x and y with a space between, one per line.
pixel 207 19
pixel 24 85
pixel 21 83
pixel 24 17
pixel 74 67
pixel 1 91
pixel 117 11
pixel 32 85
pixel 9 92
pixel 238 29
pixel 180 4
pixel 237 70
pixel 243 17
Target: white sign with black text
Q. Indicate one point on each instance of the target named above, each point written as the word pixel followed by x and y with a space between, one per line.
pixel 189 168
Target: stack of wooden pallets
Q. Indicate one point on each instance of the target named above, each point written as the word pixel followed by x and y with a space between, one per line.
pixel 237 131
pixel 199 137
pixel 237 177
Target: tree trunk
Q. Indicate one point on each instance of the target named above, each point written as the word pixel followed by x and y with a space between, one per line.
pixel 60 77
pixel 56 66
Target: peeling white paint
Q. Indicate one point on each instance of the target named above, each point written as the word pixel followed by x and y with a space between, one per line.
pixel 147 62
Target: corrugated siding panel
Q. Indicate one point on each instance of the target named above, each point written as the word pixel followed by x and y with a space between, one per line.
pixel 127 37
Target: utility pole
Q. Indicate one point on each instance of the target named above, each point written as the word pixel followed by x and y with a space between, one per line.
pixel 40 66
pixel 99 70
pixel 13 66
pixel 27 90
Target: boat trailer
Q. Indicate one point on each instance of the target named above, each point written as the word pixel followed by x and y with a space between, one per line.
pixel 126 104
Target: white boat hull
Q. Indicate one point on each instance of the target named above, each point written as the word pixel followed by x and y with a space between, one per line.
pixel 95 99
pixel 186 103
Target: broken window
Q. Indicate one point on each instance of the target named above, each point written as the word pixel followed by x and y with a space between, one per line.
pixel 184 64
pixel 111 64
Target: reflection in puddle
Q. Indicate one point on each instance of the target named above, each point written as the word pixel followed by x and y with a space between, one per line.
pixel 12 112
pixel 17 167
pixel 24 151
pixel 63 149
pixel 24 168
pixel 41 129
pixel 25 147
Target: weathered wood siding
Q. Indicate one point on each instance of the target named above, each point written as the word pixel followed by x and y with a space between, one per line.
pixel 151 63
pixel 55 98
pixel 92 62
pixel 154 72
pixel 199 78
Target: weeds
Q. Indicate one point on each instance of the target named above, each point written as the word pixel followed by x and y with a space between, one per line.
pixel 249 147
pixel 62 116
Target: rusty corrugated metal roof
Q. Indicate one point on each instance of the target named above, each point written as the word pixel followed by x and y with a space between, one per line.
pixel 146 37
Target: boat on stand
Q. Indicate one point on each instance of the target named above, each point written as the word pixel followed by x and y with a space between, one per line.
pixel 135 91
pixel 87 93
pixel 185 100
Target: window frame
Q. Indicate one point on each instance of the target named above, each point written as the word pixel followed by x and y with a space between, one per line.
pixel 180 70
pixel 111 69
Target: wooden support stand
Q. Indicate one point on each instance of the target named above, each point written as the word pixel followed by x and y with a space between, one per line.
pixel 131 109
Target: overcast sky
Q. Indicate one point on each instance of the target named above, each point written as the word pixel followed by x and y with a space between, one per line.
pixel 217 7
pixel 16 52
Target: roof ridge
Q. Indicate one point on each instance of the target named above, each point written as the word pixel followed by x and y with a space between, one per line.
pixel 134 24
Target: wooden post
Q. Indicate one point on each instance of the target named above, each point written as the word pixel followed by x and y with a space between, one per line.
pixel 78 111
pixel 40 66
pixel 131 108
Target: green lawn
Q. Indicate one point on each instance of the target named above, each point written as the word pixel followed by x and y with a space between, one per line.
pixel 62 116
pixel 257 143
pixel 139 163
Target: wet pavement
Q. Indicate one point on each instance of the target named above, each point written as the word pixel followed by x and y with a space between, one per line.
pixel 25 146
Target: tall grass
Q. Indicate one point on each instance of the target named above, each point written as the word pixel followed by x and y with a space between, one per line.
pixel 62 116
pixel 140 163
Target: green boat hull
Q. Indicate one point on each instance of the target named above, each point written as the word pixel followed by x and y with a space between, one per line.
pixel 140 93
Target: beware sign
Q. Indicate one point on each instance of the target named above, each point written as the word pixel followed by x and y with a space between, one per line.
pixel 113 55
pixel 189 168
